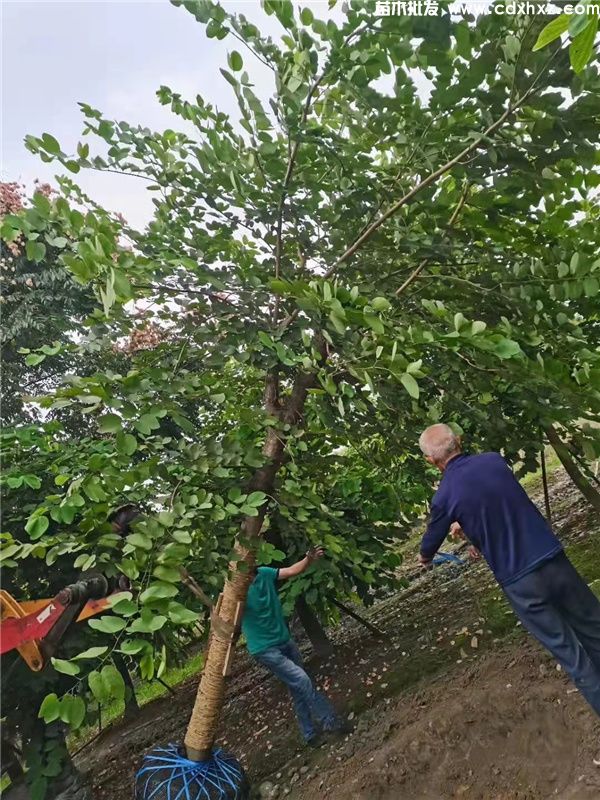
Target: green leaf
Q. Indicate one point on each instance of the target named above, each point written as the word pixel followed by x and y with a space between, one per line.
pixel 578 23
pixel 50 708
pixel 235 61
pixel 552 31
pixel 91 652
pixel 133 646
pixel 374 323
pixel 256 498
pixel 37 526
pixel 582 46
pixel 38 788
pixel 113 681
pixel 590 286
pixel 107 624
pixel 307 16
pixel 410 384
pixel 148 622
pixel 50 144
pixel 76 713
pixel 97 687
pixel 35 251
pixel 478 327
pixel 66 667
pixel 9 551
pixel 33 359
pixel 337 322
pixel 169 574
pixel 166 518
pixel 126 443
pixel 180 615
pixel 380 303
pixel 140 540
pixel 507 348
pixel 125 608
pixel 146 424
pixel 109 423
pixel 459 321
pixel 158 591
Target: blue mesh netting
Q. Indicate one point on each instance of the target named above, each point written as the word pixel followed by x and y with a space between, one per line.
pixel 168 775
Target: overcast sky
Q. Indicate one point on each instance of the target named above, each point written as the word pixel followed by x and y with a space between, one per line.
pixel 114 56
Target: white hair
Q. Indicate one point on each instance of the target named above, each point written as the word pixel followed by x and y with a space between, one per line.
pixel 439 442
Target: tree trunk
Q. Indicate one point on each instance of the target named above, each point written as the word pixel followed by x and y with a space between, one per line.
pixel 572 470
pixel 202 727
pixel 314 630
pixel 131 704
pixel 204 721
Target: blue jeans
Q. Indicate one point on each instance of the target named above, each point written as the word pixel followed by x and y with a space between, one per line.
pixel 557 606
pixel 285 662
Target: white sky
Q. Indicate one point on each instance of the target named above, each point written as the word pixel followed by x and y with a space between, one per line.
pixel 114 56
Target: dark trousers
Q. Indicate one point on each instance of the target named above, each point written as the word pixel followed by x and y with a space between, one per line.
pixel 557 606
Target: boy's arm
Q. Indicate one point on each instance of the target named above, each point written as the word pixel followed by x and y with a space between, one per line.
pixel 300 566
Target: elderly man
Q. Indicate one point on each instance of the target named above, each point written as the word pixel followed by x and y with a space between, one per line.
pixel 546 592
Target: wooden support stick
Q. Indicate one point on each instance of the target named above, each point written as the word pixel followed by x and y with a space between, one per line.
pixel 236 622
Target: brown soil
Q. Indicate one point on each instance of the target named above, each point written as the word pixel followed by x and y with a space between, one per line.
pixel 454 702
pixel 498 730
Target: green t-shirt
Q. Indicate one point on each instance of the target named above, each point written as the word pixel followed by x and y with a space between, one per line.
pixel 263 623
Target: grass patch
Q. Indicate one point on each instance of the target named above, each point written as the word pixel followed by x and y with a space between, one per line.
pixel 145 692
pixel 585 556
pixel 532 482
pixel 499 617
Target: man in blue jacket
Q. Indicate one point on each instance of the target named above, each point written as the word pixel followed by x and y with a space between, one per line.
pixel 545 590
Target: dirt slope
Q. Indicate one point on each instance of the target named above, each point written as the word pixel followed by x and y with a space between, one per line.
pixel 507 728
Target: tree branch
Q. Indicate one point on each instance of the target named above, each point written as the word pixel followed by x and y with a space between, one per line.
pixel 427 181
pixel 415 274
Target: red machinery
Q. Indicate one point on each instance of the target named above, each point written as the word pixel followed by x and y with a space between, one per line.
pixel 36 627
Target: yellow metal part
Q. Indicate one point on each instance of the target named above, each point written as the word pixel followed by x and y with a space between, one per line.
pixel 29 651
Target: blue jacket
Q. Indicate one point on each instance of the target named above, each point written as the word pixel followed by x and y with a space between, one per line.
pixel 481 493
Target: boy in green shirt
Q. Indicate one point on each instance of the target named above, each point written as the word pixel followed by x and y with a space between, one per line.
pixel 269 642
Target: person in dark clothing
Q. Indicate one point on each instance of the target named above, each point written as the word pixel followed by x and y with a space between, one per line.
pixel 268 640
pixel 481 494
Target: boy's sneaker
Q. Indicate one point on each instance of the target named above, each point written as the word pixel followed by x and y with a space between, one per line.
pixel 316 740
pixel 343 728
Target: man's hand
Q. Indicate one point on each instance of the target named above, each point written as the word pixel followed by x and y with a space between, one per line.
pixel 314 554
pixel 474 553
pixel 456 532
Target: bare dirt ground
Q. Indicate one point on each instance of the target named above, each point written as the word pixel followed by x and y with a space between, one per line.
pixel 453 702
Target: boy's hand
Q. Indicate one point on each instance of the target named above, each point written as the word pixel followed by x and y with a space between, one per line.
pixel 314 554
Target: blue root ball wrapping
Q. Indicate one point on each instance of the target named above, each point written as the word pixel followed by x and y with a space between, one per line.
pixel 166 774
